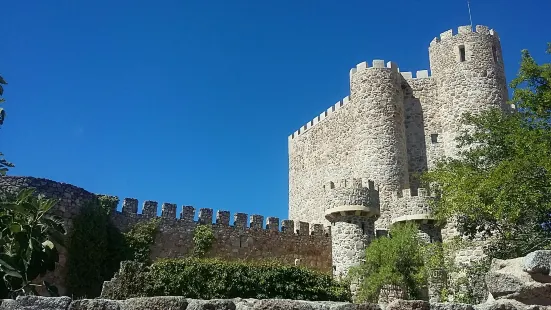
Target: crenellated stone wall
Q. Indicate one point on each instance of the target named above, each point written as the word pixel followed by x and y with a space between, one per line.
pixel 247 238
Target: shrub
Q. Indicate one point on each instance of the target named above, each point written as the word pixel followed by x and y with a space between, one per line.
pixel 395 261
pixel 212 278
pixel 97 247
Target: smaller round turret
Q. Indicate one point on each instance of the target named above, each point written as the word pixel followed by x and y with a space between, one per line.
pixel 352 209
pixel 411 206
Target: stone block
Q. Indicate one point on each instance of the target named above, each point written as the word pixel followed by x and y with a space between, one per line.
pixel 223 218
pixel 130 206
pixel 205 216
pixel 213 304
pixel 149 209
pixel 38 303
pixel 240 220
pixel 187 214
pixel 168 211
pixel 155 303
pixel 93 304
pixel 400 304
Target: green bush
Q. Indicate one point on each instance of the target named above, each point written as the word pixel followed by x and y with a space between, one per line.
pixel 97 247
pixel 396 261
pixel 95 251
pixel 211 278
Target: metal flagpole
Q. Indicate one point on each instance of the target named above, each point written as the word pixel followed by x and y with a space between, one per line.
pixel 470 18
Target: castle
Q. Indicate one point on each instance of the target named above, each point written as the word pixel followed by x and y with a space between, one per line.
pixel 391 128
pixel 353 169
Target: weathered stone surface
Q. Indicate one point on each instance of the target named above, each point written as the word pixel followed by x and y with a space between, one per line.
pixel 507 279
pixel 213 304
pixel 155 303
pixel 35 303
pixel 95 304
pixel 450 306
pixel 504 304
pixel 538 262
pixel 40 303
pixel 400 304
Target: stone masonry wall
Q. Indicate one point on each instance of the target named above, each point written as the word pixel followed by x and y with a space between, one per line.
pixel 308 245
pixel 361 136
pixel 248 240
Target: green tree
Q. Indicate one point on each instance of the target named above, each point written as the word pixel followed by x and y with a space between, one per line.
pixel 27 238
pixel 397 260
pixel 4 164
pixel 500 184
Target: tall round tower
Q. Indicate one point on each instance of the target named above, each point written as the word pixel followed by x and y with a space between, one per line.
pixel 352 208
pixel 469 74
pixel 379 130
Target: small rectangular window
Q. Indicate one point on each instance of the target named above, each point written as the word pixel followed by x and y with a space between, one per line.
pixel 462 53
pixel 434 138
pixel 494 53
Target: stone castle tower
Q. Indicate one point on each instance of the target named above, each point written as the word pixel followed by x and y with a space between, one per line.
pixel 355 166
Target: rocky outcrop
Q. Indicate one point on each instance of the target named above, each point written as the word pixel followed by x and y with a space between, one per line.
pixel 524 279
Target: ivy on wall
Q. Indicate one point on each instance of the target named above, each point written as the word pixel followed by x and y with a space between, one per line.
pixel 203 237
pixel 96 247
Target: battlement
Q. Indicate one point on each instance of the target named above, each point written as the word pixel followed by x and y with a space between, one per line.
pixel 421 74
pixel 351 196
pixel 461 30
pixel 205 216
pixel 377 64
pixel 350 183
pixel 331 110
pixel 410 205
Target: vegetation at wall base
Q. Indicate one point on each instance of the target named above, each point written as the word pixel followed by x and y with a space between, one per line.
pixel 397 261
pixel 97 247
pixel 27 242
pixel 212 278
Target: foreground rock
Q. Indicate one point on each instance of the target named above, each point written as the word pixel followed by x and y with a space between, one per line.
pixel 524 279
pixel 175 303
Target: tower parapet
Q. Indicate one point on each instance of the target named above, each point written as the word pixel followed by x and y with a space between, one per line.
pixel 352 208
pixel 409 205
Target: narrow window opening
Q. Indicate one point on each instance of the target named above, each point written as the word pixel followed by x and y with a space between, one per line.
pixel 461 53
pixel 494 53
pixel 434 138
pixel 363 228
pixel 240 241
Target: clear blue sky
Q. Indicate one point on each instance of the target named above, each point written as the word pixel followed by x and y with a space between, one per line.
pixel 191 102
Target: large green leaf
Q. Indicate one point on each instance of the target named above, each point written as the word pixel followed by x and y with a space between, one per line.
pixel 15 228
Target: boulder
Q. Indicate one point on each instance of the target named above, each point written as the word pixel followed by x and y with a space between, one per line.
pixel 509 279
pixel 538 262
